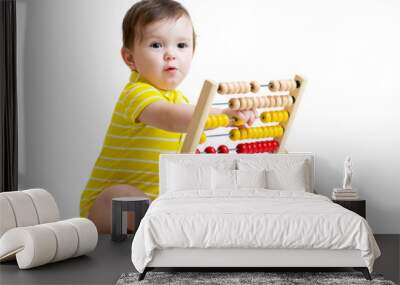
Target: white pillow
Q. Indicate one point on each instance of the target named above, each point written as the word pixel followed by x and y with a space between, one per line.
pixel 184 177
pixel 293 178
pixel 251 178
pixel 224 179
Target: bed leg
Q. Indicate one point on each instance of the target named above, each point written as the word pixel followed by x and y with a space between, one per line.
pixel 364 271
pixel 143 274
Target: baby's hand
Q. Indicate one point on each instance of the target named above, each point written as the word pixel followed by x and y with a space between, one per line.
pixel 248 116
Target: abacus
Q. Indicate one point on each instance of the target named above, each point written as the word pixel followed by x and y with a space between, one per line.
pixel 280 105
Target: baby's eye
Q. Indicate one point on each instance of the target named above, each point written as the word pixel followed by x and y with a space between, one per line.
pixel 182 45
pixel 156 45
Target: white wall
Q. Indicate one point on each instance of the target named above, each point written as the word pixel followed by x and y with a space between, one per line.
pixel 70 75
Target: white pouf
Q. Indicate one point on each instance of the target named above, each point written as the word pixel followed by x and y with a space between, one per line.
pixel 40 244
pixel 30 230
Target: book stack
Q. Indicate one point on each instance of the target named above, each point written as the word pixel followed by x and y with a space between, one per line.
pixel 344 194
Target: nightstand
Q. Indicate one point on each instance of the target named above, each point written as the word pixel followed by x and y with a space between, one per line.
pixel 357 206
pixel 120 207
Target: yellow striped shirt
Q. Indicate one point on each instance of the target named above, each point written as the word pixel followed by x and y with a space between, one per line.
pixel 131 149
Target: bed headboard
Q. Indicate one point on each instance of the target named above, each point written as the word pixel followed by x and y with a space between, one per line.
pixel 217 159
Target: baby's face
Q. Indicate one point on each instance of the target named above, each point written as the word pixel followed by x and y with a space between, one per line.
pixel 164 54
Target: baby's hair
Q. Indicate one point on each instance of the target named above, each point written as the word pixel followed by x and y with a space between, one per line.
pixel 146 12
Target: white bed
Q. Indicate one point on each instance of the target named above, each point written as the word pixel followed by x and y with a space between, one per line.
pixel 214 211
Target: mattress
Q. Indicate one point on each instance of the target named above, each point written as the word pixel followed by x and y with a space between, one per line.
pixel 250 219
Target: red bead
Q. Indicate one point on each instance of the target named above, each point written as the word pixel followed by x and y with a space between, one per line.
pixel 210 149
pixel 197 151
pixel 250 148
pixel 255 147
pixel 270 146
pixel 241 148
pixel 223 149
pixel 259 146
pixel 265 146
pixel 275 144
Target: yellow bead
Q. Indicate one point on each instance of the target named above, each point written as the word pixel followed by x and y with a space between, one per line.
pixel 208 123
pixel 243 133
pixel 219 120
pixel 265 132
pixel 225 120
pixel 260 133
pixel 280 131
pixel 275 117
pixel 268 117
pixel 262 117
pixel 285 116
pixel 238 122
pixel 254 133
pixel 275 131
pixel 214 120
pixel 203 138
pixel 272 131
pixel 280 116
pixel 250 133
pixel 268 132
pixel 234 134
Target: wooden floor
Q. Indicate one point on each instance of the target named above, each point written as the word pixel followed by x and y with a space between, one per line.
pixel 110 260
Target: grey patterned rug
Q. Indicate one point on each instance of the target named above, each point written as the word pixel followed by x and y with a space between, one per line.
pixel 270 278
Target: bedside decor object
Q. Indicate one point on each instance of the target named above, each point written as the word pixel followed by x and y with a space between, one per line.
pixel 120 208
pixel 348 173
pixel 343 194
pixel 346 192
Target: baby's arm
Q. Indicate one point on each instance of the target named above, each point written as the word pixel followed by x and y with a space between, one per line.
pixel 167 116
pixel 176 118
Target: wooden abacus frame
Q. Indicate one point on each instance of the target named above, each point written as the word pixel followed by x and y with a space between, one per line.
pixel 204 104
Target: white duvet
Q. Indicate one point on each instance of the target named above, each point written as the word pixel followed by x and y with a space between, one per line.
pixel 252 218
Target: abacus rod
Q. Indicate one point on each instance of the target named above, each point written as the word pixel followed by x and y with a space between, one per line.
pixel 223 135
pixel 268 84
pixel 298 83
pixel 230 149
pixel 219 135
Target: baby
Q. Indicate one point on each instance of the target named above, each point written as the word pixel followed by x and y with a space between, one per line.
pixel 151 115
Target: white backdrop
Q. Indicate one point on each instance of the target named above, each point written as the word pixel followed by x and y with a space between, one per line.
pixel 70 75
